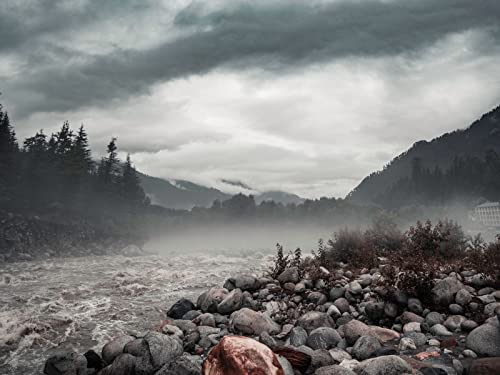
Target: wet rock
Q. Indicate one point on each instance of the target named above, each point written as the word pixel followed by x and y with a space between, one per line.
pixel 354 329
pixel 252 322
pixel 339 354
pixel 485 366
pixel 162 349
pixel 209 300
pixel 342 304
pixel 94 360
pixel 315 319
pixel 180 308
pixel 115 347
pixel 231 302
pixel 485 340
pixel 66 363
pixel 454 322
pixel 241 355
pixel 242 282
pixel 336 293
pixel 386 365
pixel 290 275
pixel 323 338
pixel 463 297
pixel 440 330
pixel 190 315
pixel 135 347
pixel 317 298
pixel 365 347
pixel 184 365
pixel 445 290
pixel 375 311
pixel 434 318
pixel 124 364
pixel 298 336
pixel 334 370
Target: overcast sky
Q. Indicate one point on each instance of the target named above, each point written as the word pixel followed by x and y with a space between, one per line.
pixel 302 96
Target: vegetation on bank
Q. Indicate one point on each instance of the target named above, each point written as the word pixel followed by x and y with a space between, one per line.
pixel 409 261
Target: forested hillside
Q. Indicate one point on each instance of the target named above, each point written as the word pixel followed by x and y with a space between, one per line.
pixel 464 161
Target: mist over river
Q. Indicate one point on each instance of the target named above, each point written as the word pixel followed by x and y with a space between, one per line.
pixel 81 303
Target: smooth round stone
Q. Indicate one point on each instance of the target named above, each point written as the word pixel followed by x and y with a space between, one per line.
pixel 455 309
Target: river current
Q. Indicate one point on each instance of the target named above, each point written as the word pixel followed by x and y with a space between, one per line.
pixel 81 303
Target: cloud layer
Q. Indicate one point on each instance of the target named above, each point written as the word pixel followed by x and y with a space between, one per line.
pixel 302 96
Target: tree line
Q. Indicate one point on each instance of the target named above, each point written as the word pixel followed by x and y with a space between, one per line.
pixel 57 173
pixel 469 179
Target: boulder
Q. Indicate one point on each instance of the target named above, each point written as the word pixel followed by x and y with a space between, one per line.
pixel 445 290
pixel 375 311
pixel 124 364
pixel 386 365
pixel 342 304
pixel 384 334
pixel 290 275
pixel 243 282
pixel 298 336
pixel 354 329
pixel 485 340
pixel 315 319
pixel 251 322
pixel 333 370
pixel 241 355
pixel 440 330
pixel 339 354
pixel 463 297
pixel 434 318
pixel 454 322
pixel 115 347
pixel 336 293
pixel 162 349
pixel 323 338
pixel 66 363
pixel 365 347
pixel 485 366
pixel 184 365
pixel 232 302
pixel 94 360
pixel 317 298
pixel 209 300
pixel 180 308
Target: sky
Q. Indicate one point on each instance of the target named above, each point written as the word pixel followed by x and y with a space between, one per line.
pixel 301 96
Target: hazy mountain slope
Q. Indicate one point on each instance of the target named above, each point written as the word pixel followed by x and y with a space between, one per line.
pixel 179 194
pixel 482 135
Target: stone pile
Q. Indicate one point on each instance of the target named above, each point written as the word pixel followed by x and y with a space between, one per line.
pixel 342 324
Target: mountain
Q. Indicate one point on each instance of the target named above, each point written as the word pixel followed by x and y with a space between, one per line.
pixel 179 194
pixel 473 141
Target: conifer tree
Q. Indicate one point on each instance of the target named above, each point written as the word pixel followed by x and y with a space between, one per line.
pixel 132 191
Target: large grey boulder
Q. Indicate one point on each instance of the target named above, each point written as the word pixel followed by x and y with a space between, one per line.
pixel 386 365
pixel 333 370
pixel 209 300
pixel 184 365
pixel 124 364
pixel 298 336
pixel 485 340
pixel 243 282
pixel 445 290
pixel 66 363
pixel 290 275
pixel 115 347
pixel 180 308
pixel 162 348
pixel 252 322
pixel 232 302
pixel 354 329
pixel 323 338
pixel 365 347
pixel 315 319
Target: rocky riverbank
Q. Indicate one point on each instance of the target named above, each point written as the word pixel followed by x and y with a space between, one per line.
pixel 31 237
pixel 291 325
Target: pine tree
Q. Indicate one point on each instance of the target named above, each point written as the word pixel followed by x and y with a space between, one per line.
pixel 9 153
pixel 131 189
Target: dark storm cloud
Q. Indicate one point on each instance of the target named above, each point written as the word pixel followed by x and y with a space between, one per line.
pixel 270 35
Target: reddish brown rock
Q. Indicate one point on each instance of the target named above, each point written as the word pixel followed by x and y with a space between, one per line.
pixel 485 366
pixel 241 355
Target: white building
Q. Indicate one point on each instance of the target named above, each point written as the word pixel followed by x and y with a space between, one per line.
pixel 488 214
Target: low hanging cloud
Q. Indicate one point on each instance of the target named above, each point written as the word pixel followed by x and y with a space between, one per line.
pixel 276 36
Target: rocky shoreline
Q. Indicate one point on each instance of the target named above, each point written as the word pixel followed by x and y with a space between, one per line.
pixel 291 325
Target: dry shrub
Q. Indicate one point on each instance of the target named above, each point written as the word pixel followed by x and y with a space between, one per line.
pixel 485 258
pixel 281 261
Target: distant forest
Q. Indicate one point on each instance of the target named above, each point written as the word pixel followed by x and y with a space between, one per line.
pixel 469 180
pixel 57 174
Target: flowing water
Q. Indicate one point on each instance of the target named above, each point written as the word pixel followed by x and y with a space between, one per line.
pixel 81 303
